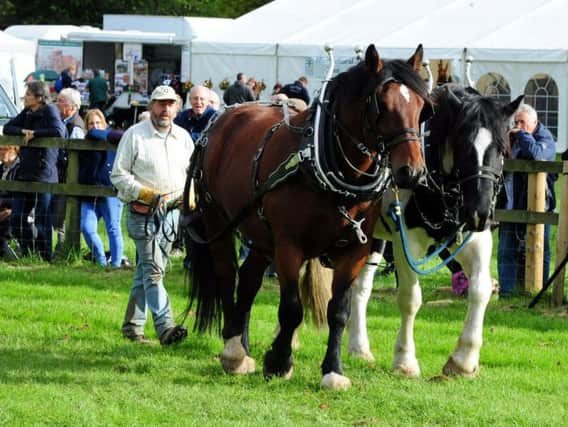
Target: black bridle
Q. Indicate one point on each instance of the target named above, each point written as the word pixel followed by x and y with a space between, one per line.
pixel 450 186
pixel 372 113
pixel 382 145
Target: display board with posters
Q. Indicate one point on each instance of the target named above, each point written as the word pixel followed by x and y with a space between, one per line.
pixel 129 73
pixel 59 55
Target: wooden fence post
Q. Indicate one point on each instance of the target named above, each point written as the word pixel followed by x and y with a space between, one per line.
pixel 561 238
pixel 534 237
pixel 73 209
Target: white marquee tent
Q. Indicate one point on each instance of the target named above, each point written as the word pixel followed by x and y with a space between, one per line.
pixel 17 60
pixel 518 40
pixel 517 46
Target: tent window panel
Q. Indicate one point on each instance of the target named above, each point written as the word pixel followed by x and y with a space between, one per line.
pixel 495 86
pixel 541 92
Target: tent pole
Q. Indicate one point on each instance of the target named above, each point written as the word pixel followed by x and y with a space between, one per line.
pixel 464 67
pixel 277 64
pixel 190 59
pixel 15 89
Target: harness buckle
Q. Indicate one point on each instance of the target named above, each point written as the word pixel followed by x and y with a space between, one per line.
pixel 354 224
pixel 305 154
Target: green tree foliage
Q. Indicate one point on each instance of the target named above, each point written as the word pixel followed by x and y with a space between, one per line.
pixel 90 12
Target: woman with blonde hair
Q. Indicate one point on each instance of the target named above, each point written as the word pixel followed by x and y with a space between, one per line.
pixel 94 169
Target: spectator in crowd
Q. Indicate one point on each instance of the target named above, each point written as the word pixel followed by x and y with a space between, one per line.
pixel 196 118
pixel 214 100
pixel 9 162
pixel 238 92
pixel 251 82
pixel 298 89
pixel 94 169
pixel 530 140
pixel 150 167
pixel 68 103
pixel 37 119
pixel 98 91
pixel 276 88
pixel 65 79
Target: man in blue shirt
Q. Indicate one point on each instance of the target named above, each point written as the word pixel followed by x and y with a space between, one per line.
pixel 195 119
pixel 297 90
pixel 530 140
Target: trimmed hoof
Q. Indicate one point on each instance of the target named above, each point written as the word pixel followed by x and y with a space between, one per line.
pixel 284 375
pixel 451 369
pixel 277 367
pixel 234 358
pixel 406 371
pixel 245 366
pixel 333 381
pixel 365 355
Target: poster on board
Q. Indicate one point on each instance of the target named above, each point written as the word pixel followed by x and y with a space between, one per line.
pixel 58 55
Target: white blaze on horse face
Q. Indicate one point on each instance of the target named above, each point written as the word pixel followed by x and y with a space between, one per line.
pixel 405 92
pixel 482 142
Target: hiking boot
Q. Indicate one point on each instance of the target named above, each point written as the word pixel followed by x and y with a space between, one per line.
pixel 173 335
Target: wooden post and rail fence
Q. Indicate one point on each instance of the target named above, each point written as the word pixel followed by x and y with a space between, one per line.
pixel 535 216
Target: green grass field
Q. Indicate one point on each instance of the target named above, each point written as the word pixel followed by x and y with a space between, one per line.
pixel 63 362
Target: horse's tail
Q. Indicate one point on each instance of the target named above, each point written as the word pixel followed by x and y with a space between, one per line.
pixel 204 288
pixel 315 291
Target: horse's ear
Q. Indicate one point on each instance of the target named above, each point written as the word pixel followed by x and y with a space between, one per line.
pixel 509 109
pixel 372 59
pixel 415 60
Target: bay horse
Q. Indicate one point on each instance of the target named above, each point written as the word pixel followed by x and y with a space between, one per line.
pixel 464 154
pixel 298 187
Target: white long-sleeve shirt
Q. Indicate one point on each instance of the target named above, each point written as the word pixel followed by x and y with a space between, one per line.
pixel 148 158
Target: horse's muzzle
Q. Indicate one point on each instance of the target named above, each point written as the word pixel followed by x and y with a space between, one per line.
pixel 475 219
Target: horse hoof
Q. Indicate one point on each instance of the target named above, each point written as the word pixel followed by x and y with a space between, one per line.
pixel 406 371
pixel 451 369
pixel 365 355
pixel 275 366
pixel 234 358
pixel 333 381
pixel 245 366
pixel 284 375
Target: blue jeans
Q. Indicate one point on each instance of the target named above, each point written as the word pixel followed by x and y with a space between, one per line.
pixel 110 209
pixel 33 236
pixel 153 244
pixel 511 256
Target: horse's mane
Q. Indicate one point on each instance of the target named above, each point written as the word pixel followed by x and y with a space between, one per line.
pixel 476 111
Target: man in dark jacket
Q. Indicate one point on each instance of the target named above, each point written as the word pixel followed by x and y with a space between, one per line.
pixel 238 92
pixel 65 79
pixel 68 103
pixel 530 140
pixel 196 118
pixel 38 119
pixel 297 90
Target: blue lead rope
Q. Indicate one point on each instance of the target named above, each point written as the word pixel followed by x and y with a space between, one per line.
pixel 395 212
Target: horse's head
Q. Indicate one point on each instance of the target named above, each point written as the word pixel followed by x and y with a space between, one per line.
pixel 380 103
pixel 469 131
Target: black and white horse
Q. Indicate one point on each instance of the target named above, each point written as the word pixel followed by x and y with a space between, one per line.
pixel 465 151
